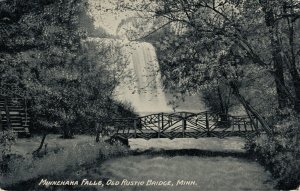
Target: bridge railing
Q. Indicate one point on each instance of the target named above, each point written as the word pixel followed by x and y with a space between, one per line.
pixel 183 124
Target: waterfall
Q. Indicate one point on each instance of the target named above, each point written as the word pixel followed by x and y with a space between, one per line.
pixel 140 85
pixel 144 91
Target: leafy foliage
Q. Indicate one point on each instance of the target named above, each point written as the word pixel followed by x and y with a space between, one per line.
pixel 7 138
pixel 193 36
pixel 281 154
pixel 46 57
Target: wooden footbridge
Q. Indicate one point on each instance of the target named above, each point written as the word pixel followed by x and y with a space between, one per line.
pixel 183 125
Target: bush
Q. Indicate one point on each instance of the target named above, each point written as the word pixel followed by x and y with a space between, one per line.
pixel 281 154
pixel 6 140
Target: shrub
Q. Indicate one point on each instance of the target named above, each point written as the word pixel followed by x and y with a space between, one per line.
pixel 6 140
pixel 281 154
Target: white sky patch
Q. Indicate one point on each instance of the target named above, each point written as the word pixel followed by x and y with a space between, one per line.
pixel 106 16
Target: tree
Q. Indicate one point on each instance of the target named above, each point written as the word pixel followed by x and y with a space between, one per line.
pixel 248 25
pixel 45 54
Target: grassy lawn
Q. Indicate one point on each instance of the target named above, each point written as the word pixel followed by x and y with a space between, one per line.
pixel 25 146
pixel 59 156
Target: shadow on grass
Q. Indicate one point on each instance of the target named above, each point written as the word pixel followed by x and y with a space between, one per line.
pixel 33 183
pixel 192 152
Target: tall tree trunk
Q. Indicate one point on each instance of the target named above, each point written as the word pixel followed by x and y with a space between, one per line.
pixel 250 109
pixel 293 68
pixel 296 82
pixel 279 81
pixel 41 144
pixel 223 105
pixel 276 54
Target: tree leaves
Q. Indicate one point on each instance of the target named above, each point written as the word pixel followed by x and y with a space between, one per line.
pixel 44 53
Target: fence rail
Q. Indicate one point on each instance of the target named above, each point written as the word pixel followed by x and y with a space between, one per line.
pixel 183 125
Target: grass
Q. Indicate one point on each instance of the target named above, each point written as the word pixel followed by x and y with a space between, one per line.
pixel 59 156
pixel 210 160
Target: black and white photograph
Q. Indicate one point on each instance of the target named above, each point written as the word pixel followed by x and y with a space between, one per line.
pixel 149 95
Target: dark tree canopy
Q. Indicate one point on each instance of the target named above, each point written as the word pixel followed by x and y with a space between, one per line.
pixel 45 57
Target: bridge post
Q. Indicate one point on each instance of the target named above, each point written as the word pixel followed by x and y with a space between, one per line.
pixel 134 125
pixel 159 127
pixel 207 124
pixel 183 125
pixel 162 121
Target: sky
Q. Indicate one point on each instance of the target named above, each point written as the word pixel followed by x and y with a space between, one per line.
pixel 105 17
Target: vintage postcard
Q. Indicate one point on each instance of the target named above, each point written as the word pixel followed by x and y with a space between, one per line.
pixel 149 95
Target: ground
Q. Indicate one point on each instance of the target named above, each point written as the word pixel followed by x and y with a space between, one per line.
pixel 53 141
pixel 172 160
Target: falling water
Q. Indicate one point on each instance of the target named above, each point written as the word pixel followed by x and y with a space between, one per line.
pixel 140 84
pixel 144 91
